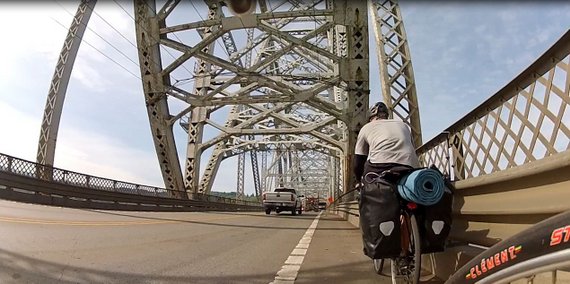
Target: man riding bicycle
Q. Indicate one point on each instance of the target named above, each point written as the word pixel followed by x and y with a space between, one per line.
pixel 383 143
pixel 384 154
pixel 384 149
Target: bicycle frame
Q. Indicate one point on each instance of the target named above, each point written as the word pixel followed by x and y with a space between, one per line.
pixel 408 264
pixel 408 208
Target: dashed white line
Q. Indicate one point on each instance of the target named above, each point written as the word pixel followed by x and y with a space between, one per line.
pixel 290 269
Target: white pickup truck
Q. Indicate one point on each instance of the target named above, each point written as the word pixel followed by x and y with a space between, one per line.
pixel 282 199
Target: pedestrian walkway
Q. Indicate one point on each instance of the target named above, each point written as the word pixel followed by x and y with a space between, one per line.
pixel 335 256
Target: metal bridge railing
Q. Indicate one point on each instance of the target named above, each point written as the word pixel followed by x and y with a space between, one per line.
pixel 527 120
pixel 509 158
pixel 34 170
pixel 347 203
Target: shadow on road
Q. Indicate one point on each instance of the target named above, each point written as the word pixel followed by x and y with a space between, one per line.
pixel 17 268
pixel 263 227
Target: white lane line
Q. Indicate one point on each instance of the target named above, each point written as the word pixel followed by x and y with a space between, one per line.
pixel 299 251
pixel 290 269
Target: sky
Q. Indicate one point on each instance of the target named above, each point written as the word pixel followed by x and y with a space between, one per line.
pixel 462 53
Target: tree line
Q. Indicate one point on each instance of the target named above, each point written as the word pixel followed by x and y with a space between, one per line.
pixel 232 195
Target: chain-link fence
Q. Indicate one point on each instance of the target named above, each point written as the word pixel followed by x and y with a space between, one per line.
pixel 51 174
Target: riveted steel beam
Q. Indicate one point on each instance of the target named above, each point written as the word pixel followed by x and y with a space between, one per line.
pixel 155 95
pixel 59 82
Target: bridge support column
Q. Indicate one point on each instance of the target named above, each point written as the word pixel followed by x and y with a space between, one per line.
pixel 395 63
pixel 200 113
pixel 58 87
pixel 154 82
pixel 354 71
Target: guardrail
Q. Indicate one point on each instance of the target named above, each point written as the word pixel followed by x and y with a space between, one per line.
pixel 346 205
pixel 510 154
pixel 28 181
pixel 527 120
pixel 509 158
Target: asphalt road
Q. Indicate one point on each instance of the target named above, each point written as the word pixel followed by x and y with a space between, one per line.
pixel 43 244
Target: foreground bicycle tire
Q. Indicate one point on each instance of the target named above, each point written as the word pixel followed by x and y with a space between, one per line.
pixel 411 261
pixel 544 263
pixel 543 247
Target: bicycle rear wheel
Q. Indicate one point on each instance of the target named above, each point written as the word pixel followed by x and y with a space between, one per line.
pixel 406 268
pixel 379 266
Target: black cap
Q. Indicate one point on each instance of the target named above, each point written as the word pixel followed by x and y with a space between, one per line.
pixel 378 108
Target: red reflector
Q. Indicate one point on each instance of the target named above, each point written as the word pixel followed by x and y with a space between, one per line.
pixel 412 206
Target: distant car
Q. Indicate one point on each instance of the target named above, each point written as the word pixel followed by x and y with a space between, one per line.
pixel 322 205
pixel 282 199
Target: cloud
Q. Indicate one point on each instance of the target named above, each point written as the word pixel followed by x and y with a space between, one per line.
pixel 83 151
pixel 103 156
pixel 79 150
pixel 42 29
pixel 463 53
pixel 36 32
pixel 31 34
pixel 461 56
pixel 18 139
pixel 89 75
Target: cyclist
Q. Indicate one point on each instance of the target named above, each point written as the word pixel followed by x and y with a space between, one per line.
pixel 384 148
pixel 383 144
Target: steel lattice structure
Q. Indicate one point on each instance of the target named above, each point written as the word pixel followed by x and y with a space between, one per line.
pixel 59 82
pixel 310 172
pixel 394 59
pixel 286 81
pixel 278 69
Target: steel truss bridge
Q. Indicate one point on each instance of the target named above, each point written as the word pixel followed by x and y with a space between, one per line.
pixel 285 85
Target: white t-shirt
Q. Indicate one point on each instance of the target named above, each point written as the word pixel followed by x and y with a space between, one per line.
pixel 387 141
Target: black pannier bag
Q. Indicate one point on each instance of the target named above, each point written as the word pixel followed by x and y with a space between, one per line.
pixel 435 224
pixel 380 219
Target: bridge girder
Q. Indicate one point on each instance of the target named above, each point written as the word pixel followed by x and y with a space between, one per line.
pixel 59 82
pixel 309 80
pixel 394 59
pixel 273 97
pixel 154 86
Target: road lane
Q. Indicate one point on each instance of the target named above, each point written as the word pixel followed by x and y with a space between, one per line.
pixel 42 244
pixel 336 256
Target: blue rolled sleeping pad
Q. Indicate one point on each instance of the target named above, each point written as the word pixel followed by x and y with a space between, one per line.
pixel 424 187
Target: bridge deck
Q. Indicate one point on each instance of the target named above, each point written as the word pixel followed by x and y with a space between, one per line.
pixel 335 256
pixel 47 244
